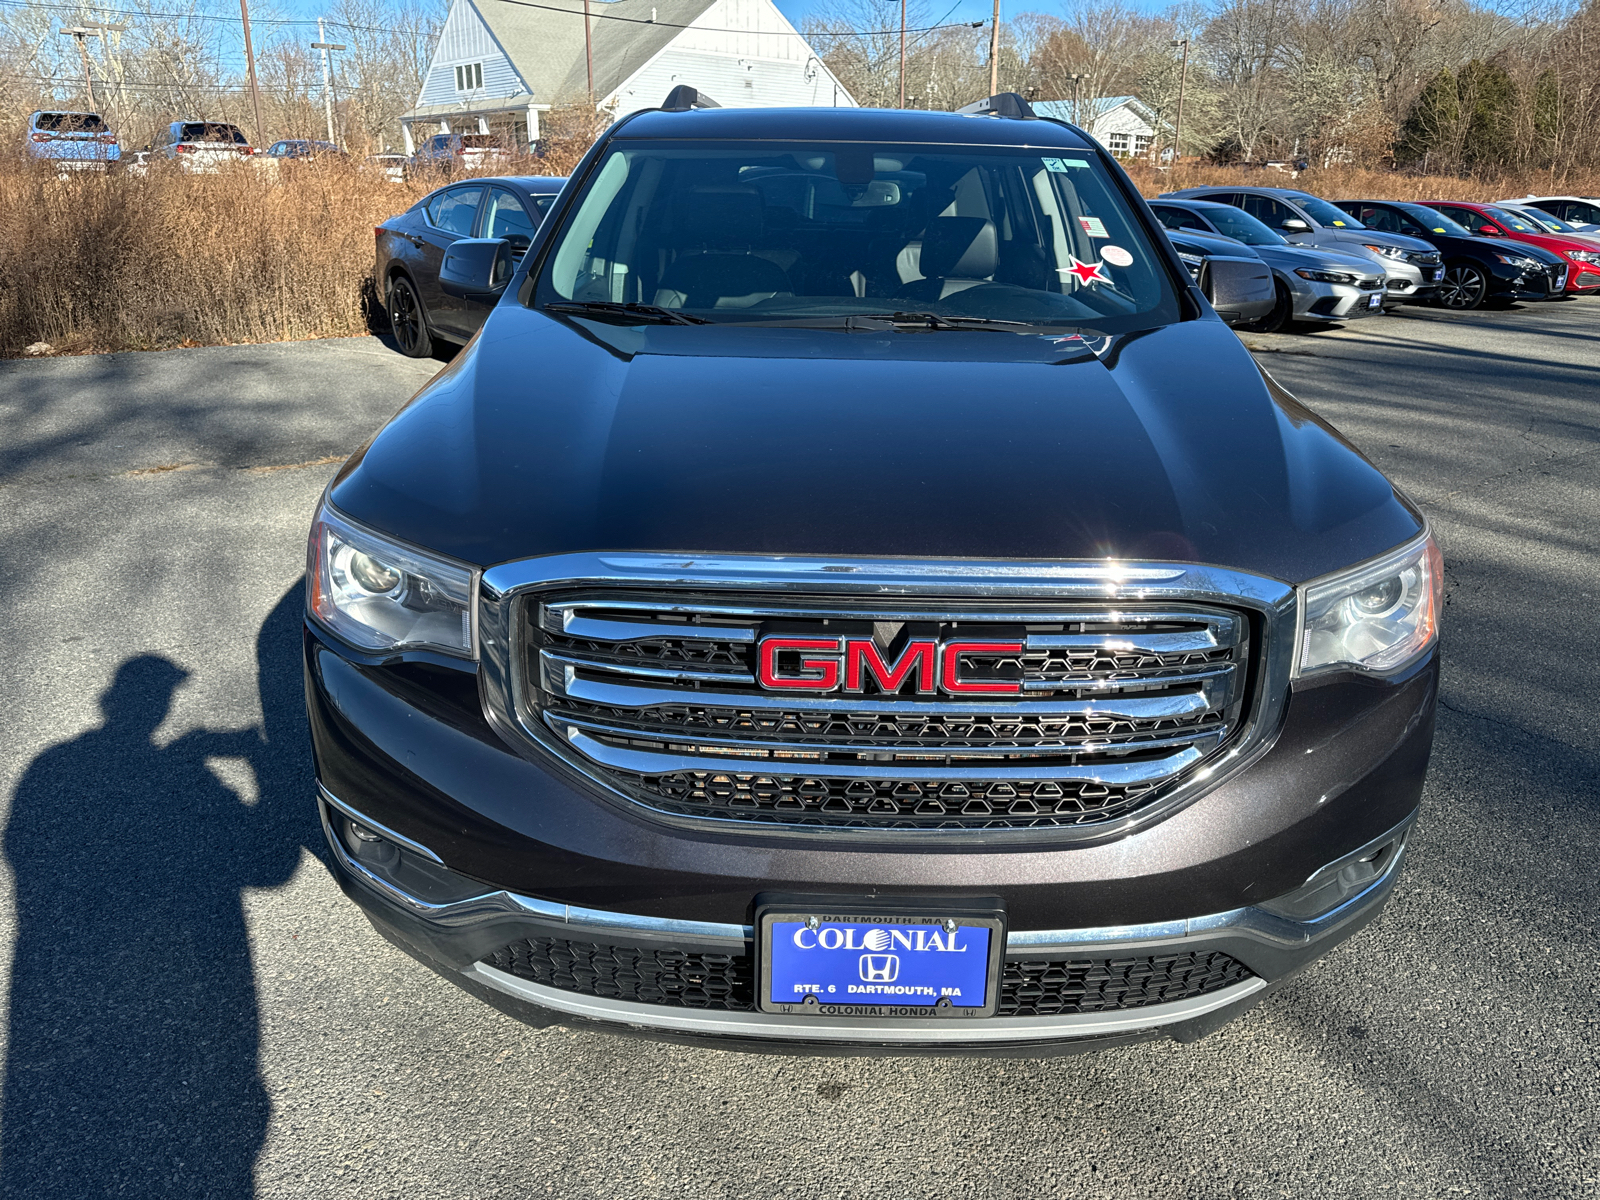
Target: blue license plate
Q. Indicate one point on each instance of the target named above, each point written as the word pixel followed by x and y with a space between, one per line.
pixel 1436 274
pixel 1375 300
pixel 906 963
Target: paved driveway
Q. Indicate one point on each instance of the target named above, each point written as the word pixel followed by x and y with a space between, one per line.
pixel 194 1010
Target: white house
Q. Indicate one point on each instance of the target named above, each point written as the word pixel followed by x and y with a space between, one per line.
pixel 1122 124
pixel 500 63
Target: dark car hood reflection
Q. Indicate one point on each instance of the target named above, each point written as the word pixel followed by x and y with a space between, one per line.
pixel 548 436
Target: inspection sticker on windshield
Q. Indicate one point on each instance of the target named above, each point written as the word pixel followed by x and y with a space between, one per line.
pixel 1093 226
pixel 1062 165
pixel 1084 272
pixel 1116 256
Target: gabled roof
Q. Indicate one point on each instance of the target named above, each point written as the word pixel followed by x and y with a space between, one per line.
pixel 1095 106
pixel 545 44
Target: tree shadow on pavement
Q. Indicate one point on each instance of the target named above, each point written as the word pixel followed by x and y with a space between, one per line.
pixel 132 1060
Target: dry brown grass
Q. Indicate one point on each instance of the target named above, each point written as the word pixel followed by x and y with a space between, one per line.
pixel 122 262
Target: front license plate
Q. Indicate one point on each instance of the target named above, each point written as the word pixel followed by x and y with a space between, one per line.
pixel 1375 300
pixel 1436 274
pixel 831 961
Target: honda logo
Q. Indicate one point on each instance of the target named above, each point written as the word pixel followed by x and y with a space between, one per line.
pixel 846 664
pixel 880 968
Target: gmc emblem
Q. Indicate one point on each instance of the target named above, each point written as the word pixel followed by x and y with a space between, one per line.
pixel 844 664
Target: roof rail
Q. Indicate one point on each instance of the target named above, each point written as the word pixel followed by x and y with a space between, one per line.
pixel 683 97
pixel 1004 104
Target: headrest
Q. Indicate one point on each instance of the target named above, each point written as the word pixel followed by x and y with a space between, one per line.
pixel 719 216
pixel 959 248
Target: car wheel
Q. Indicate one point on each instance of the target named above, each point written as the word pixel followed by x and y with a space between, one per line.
pixel 1278 318
pixel 406 319
pixel 1463 287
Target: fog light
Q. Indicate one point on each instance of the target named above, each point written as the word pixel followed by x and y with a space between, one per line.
pixel 372 848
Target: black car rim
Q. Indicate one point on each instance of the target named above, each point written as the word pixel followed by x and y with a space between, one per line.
pixel 1463 288
pixel 403 315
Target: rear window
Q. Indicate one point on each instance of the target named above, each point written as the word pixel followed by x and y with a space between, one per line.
pixel 70 123
pixel 210 131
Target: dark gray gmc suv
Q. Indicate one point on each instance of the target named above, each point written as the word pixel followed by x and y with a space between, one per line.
pixel 854 595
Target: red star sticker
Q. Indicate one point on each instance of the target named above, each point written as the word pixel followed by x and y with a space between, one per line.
pixel 1085 273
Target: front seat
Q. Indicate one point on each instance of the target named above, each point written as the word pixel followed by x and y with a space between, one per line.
pixel 717 228
pixel 957 253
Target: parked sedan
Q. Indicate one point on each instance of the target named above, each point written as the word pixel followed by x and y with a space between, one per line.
pixel 411 248
pixel 1581 212
pixel 71 141
pixel 1476 269
pixel 457 151
pixel 1229 274
pixel 1310 284
pixel 1581 254
pixel 1412 268
pixel 302 148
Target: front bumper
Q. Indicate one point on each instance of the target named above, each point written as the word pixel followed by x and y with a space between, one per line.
pixel 1341 302
pixel 456 935
pixel 497 843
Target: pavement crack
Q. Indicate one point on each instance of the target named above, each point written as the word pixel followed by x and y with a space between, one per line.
pixel 169 469
pixel 1523 730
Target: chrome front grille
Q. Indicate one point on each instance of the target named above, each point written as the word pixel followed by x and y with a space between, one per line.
pixel 656 694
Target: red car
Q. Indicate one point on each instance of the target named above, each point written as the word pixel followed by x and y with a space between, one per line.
pixel 1582 254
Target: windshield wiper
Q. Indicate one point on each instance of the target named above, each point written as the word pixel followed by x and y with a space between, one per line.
pixel 932 320
pixel 637 313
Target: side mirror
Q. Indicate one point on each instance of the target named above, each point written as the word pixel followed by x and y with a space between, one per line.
pixel 1295 225
pixel 1488 231
pixel 476 268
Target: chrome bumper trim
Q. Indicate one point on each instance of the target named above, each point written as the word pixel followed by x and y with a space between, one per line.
pixel 993 1031
pixel 1249 922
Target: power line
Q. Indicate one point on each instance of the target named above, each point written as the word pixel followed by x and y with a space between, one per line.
pixel 191 16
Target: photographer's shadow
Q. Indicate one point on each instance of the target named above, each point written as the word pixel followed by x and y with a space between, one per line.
pixel 132 1062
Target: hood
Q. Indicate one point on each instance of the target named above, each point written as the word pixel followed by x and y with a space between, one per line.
pixel 548 436
pixel 1318 258
pixel 1214 244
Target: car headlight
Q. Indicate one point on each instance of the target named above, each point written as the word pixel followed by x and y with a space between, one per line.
pixel 381 595
pixel 1587 256
pixel 1375 617
pixel 1388 251
pixel 1324 276
pixel 1515 260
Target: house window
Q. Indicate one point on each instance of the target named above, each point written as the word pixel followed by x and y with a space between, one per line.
pixel 1117 143
pixel 469 78
pixel 1141 143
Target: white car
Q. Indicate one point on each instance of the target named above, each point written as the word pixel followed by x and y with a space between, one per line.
pixel 1581 212
pixel 204 146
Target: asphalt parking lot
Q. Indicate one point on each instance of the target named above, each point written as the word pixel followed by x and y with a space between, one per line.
pixel 194 1010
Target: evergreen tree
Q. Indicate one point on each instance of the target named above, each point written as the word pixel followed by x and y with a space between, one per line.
pixel 1547 112
pixel 1431 125
pixel 1489 107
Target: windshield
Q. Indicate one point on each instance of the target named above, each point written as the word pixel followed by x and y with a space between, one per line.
pixel 1510 220
pixel 1324 213
pixel 1433 219
pixel 768 231
pixel 1240 225
pixel 1541 218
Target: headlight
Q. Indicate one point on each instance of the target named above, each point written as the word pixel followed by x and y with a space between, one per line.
pixel 1588 256
pixel 1388 251
pixel 381 595
pixel 1375 617
pixel 1324 276
pixel 1192 261
pixel 1515 260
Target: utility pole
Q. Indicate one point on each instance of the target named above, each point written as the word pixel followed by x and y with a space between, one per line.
pixel 250 62
pixel 994 51
pixel 1177 130
pixel 902 53
pixel 79 33
pixel 327 76
pixel 588 49
pixel 1077 109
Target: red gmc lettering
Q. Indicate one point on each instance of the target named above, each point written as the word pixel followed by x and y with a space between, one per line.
pixel 935 667
pixel 950 677
pixel 820 674
pixel 919 656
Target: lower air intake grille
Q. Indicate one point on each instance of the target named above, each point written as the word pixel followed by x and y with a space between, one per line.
pixel 1044 987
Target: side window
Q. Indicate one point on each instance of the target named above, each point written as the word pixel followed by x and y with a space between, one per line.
pixel 1587 214
pixel 454 211
pixel 1268 211
pixel 506 218
pixel 1179 218
pixel 1466 216
pixel 1232 198
pixel 1384 220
